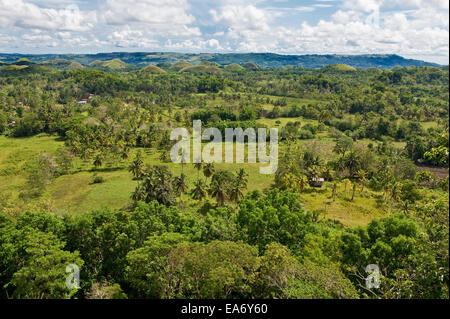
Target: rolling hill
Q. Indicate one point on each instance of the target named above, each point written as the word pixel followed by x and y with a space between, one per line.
pixel 123 60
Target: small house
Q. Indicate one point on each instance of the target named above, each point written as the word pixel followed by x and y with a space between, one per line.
pixel 316 182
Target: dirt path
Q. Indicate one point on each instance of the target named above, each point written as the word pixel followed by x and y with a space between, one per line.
pixel 440 172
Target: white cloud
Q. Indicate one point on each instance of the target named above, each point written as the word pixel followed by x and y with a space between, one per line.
pixel 363 5
pixel 163 17
pixel 242 18
pixel 26 15
pixel 128 38
pixel 437 4
pixel 414 28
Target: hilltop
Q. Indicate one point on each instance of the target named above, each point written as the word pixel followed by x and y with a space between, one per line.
pixel 111 65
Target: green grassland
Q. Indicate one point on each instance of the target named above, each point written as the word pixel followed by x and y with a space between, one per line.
pixel 75 193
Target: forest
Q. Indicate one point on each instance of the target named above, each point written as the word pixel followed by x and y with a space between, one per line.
pixel 86 179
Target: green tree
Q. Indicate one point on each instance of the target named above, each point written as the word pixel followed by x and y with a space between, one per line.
pixel 136 167
pixel 238 186
pixel 209 170
pixel 409 193
pixel 3 121
pixel 179 184
pixel 343 145
pixel 104 290
pixel 199 190
pixel 221 186
pixel 98 161
pixel 41 264
pixel 198 167
pixel 276 216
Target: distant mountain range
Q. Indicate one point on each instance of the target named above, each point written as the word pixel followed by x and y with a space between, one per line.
pixel 124 60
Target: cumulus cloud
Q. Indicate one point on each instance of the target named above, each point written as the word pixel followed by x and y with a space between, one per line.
pixel 26 15
pixel 413 28
pixel 352 29
pixel 163 17
pixel 363 5
pixel 242 17
pixel 129 38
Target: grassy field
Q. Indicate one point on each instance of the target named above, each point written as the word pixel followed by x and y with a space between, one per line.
pixel 272 123
pixel 75 193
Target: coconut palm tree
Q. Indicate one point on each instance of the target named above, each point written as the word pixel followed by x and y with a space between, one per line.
pixel 355 186
pixel 138 194
pixel 198 167
pixel 136 166
pixel 361 176
pixel 239 185
pixel 184 160
pixel 179 184
pixel 218 191
pixel 352 162
pixel 199 190
pixel 334 189
pixel 242 177
pixel 237 192
pixel 347 183
pixel 221 186
pixel 98 161
pixel 209 170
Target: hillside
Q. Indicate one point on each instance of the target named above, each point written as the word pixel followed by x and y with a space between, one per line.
pixel 112 65
pixel 359 176
pixel 119 60
pixel 63 64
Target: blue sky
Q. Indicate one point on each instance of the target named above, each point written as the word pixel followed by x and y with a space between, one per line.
pixel 411 28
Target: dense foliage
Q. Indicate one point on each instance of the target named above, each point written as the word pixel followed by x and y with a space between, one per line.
pixel 216 238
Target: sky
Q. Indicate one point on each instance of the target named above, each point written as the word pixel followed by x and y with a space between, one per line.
pixel 416 29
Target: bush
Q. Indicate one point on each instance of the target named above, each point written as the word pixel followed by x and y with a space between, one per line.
pixel 97 179
pixel 306 135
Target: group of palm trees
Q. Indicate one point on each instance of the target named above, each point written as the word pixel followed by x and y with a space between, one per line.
pixel 157 183
pixel 224 185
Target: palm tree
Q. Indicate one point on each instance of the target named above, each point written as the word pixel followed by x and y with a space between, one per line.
pixel 352 162
pixel 98 162
pixel 347 183
pixel 209 170
pixel 221 186
pixel 179 184
pixel 136 166
pixel 354 191
pixel 138 194
pixel 334 189
pixel 361 176
pixel 236 192
pixel 199 191
pixel 238 186
pixel 217 190
pixel 242 177
pixel 198 167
